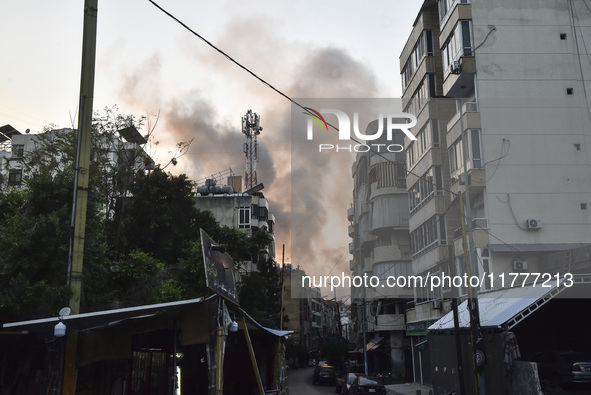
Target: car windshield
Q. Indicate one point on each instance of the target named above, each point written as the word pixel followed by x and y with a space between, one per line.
pixel 575 357
pixel 369 381
pixel 351 378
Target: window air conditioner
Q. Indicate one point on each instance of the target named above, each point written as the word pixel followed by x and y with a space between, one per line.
pixel 437 304
pixel 520 265
pixel 534 224
pixel 455 67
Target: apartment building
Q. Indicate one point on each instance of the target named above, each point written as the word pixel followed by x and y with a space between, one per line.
pixel 380 247
pixel 499 89
pixel 119 154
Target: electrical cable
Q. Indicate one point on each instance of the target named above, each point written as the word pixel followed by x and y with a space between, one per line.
pixel 264 82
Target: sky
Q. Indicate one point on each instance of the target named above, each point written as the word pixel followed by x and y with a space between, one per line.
pixel 149 65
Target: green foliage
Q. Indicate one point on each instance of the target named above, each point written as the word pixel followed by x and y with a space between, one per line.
pixel 35 233
pixel 260 292
pixel 159 218
pixel 142 241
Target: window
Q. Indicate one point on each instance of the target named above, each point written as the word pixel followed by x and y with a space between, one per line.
pixel 427 138
pixel 458 44
pixel 431 183
pixel 484 262
pixel 472 146
pixel 423 47
pixel 425 90
pixel 397 269
pixel 429 235
pixel 15 177
pixel 18 150
pixel 244 218
pixel 445 8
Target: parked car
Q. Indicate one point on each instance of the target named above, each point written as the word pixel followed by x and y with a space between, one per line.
pixel 367 385
pixel 564 367
pixel 324 374
pixel 344 382
pixel 312 362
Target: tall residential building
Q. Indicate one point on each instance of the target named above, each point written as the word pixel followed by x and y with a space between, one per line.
pixel 380 248
pixel 499 89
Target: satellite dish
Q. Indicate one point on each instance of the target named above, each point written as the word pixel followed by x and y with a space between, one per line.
pixel 65 311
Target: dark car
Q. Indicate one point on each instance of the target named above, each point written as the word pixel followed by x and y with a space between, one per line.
pixel 367 385
pixel 344 382
pixel 564 367
pixel 324 374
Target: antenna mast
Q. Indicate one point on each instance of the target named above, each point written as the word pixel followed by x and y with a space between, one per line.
pixel 251 129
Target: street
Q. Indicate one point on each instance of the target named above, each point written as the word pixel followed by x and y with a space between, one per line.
pixel 300 383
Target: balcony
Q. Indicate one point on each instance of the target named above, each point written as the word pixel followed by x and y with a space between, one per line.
pixel 351 230
pixel 350 214
pixel 461 10
pixel 390 253
pixel 471 120
pixel 476 181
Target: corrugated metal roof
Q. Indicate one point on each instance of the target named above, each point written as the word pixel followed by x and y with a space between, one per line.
pixel 86 321
pixel 501 306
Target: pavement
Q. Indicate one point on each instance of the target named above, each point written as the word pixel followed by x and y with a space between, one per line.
pixel 409 389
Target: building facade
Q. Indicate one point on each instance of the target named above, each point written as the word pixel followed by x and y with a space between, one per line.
pixel 499 91
pixel 120 154
pixel 245 210
pixel 380 247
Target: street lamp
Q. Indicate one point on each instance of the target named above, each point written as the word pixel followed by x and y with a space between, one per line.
pixel 59 330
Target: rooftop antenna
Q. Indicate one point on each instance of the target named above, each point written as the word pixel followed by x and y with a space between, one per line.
pixel 251 129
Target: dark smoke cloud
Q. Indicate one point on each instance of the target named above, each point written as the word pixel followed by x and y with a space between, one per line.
pixel 323 186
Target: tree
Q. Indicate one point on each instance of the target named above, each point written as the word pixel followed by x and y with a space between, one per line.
pixel 142 242
pixel 158 218
pixel 35 229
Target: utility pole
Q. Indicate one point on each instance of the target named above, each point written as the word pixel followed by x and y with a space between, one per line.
pixel 80 199
pixel 471 266
pixel 282 286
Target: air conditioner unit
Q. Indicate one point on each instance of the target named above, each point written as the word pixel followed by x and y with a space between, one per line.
pixel 437 304
pixel 519 265
pixel 456 68
pixel 534 224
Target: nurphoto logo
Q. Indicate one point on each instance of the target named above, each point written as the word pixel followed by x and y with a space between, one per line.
pixel 347 130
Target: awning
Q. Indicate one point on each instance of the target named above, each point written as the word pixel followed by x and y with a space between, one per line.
pixel 86 321
pixel 275 332
pixel 505 306
pixel 108 318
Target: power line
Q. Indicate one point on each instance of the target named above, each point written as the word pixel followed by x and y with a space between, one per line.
pixel 263 81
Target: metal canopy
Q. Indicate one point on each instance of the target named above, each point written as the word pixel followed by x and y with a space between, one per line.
pixel 87 321
pixel 502 307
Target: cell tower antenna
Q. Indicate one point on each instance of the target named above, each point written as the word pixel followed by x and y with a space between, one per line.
pixel 251 128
